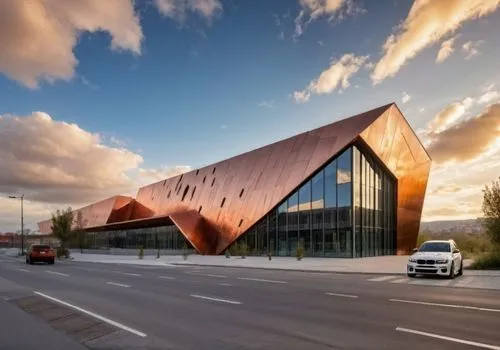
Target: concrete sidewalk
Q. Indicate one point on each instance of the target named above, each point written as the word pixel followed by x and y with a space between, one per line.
pixel 394 265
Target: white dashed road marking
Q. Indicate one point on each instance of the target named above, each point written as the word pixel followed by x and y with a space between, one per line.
pixel 57 273
pixel 400 280
pixel 118 284
pixel 226 284
pixel 128 273
pixel 445 305
pixel 260 280
pixel 99 317
pixel 24 270
pixel 455 340
pixel 342 295
pixel 216 299
pixel 166 277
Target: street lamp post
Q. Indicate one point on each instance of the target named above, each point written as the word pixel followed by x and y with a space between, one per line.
pixel 22 220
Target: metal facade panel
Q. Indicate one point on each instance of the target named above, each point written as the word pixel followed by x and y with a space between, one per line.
pixel 395 143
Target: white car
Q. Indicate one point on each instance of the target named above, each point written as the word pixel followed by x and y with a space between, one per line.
pixel 441 258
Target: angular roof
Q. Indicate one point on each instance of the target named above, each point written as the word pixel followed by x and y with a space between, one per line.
pixel 214 205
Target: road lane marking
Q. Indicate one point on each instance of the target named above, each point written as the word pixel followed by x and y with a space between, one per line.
pixel 260 280
pixel 57 273
pixel 383 278
pixel 118 284
pixel 445 305
pixel 24 270
pixel 455 340
pixel 226 284
pixel 341 295
pixel 167 277
pixel 128 273
pixel 211 275
pixel 99 317
pixel 400 280
pixel 215 299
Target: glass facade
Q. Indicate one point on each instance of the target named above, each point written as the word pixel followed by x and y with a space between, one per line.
pixel 347 209
pixel 162 237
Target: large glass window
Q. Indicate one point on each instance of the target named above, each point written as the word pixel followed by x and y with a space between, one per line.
pixel 346 209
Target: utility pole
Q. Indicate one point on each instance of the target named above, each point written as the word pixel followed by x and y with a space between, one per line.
pixel 22 220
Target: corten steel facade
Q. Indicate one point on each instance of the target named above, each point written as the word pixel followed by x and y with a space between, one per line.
pixel 385 180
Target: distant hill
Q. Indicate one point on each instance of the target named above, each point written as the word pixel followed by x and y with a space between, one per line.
pixel 472 226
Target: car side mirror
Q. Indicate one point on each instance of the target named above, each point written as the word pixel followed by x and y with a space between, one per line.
pixel 414 250
pixel 456 250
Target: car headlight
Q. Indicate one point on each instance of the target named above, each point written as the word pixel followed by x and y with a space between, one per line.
pixel 442 261
pixel 412 259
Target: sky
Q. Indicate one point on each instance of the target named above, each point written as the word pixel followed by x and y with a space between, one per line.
pixel 98 98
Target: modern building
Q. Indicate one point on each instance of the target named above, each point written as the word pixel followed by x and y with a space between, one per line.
pixel 348 189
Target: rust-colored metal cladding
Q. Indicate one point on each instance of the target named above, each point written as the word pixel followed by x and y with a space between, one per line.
pixel 197 230
pixel 112 209
pixel 391 138
pixel 214 205
pixel 234 194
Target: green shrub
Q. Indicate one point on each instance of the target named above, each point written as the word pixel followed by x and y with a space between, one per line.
pixel 158 254
pixel 243 250
pixel 62 253
pixel 300 251
pixel 487 261
pixel 141 252
pixel 185 253
pixel 234 249
pixel 228 255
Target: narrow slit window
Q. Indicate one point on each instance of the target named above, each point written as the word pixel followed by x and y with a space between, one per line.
pixel 169 193
pixel 199 209
pixel 185 192
pixel 213 181
pixel 241 192
pixel 241 223
pixel 223 201
pixel 213 171
pixel 164 182
pixel 197 172
pixel 204 178
pixel 192 193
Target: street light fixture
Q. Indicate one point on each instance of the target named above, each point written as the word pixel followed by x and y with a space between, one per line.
pixel 22 220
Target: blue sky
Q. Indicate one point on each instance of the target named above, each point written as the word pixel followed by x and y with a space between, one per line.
pixel 207 87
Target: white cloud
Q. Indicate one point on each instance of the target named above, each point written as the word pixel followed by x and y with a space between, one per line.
pixel 489 96
pixel 470 48
pixel 223 126
pixel 115 140
pixel 421 110
pixel 405 98
pixel 336 76
pixel 446 49
pixel 37 37
pixel 179 9
pixel 449 115
pixel 314 9
pixel 267 104
pixel 426 23
pixel 320 43
pixel 57 162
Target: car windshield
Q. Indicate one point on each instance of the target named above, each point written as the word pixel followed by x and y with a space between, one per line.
pixel 435 247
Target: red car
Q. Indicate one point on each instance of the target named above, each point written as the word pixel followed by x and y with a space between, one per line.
pixel 40 252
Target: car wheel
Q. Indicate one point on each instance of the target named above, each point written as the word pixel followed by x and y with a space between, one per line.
pixel 51 262
pixel 451 275
pixel 27 261
pixel 411 275
pixel 461 270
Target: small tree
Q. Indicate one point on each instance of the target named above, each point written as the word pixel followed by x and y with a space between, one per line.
pixel 141 252
pixel 185 251
pixel 300 250
pixel 78 232
pixel 62 221
pixel 491 211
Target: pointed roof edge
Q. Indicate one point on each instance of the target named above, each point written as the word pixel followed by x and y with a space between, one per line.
pixel 382 109
pixel 413 131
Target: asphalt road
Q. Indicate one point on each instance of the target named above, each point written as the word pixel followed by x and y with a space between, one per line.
pixel 228 308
